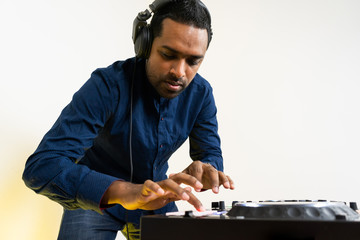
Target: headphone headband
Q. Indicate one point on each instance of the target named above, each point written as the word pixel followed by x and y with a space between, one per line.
pixel 142 35
pixel 157 4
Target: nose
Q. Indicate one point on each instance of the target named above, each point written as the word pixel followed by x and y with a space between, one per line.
pixel 178 68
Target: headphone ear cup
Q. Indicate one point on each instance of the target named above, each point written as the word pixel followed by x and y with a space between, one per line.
pixel 143 43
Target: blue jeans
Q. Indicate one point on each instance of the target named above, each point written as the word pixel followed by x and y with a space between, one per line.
pixel 87 225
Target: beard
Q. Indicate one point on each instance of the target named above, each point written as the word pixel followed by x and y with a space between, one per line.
pixel 168 86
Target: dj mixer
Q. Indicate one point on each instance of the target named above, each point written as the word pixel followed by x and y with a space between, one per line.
pixel 261 220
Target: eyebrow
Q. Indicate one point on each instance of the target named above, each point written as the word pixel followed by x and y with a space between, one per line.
pixel 177 52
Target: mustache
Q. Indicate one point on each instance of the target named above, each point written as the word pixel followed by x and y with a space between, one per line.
pixel 173 78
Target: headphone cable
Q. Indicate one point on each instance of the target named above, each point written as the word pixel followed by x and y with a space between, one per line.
pixel 130 141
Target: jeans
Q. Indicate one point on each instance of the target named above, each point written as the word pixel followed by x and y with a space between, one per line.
pixel 86 224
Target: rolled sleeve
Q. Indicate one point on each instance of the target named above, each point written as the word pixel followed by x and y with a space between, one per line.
pixel 98 183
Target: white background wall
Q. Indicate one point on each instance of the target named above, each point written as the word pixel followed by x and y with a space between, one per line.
pixel 285 75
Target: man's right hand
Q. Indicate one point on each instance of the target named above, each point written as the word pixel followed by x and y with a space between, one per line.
pixel 153 195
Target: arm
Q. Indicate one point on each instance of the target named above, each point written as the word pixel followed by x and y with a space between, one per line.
pixel 52 170
pixel 205 149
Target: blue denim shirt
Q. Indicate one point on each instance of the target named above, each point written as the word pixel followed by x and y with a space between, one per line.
pixel 88 146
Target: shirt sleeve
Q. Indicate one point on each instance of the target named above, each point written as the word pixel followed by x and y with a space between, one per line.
pixel 53 170
pixel 204 138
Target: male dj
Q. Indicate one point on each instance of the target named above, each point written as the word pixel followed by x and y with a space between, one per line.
pixel 109 148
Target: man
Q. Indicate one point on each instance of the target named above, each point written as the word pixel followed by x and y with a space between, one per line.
pixel 105 158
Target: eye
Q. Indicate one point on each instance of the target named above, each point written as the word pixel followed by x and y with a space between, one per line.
pixel 167 56
pixel 193 61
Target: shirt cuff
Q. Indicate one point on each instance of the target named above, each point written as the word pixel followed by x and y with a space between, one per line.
pixel 92 190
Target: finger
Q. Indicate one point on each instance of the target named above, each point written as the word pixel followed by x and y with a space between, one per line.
pixel 170 197
pixel 188 180
pixel 188 189
pixel 224 180
pixel 150 186
pixel 193 200
pixel 213 176
pixel 232 185
pixel 195 169
pixel 173 187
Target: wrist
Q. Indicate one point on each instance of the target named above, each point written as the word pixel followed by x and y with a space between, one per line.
pixel 112 193
pixel 121 192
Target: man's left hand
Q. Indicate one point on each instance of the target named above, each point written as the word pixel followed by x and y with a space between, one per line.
pixel 209 176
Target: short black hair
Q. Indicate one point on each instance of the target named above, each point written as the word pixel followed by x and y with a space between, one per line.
pixel 189 12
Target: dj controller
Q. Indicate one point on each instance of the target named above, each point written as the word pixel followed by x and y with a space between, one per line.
pixel 261 220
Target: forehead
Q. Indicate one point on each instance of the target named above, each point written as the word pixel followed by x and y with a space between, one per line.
pixel 182 37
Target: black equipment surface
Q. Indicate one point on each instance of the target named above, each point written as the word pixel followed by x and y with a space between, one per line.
pixel 317 221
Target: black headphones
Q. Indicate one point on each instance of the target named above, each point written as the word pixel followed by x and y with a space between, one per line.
pixel 142 35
